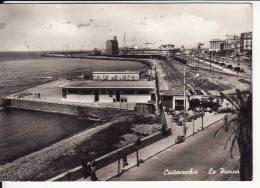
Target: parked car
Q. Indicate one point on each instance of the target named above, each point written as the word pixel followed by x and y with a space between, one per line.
pixel 230 67
pixel 179 139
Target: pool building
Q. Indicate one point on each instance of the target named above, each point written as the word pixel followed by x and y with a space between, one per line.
pixel 140 91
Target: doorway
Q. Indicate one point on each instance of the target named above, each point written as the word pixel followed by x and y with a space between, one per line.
pixel 96 96
pixel 117 96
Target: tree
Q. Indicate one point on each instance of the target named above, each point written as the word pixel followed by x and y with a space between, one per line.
pixel 242 132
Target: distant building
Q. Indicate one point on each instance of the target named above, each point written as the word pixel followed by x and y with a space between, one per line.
pixel 109 91
pixel 112 75
pixel 246 42
pixel 168 50
pixel 215 45
pixel 233 43
pixel 230 45
pixel 112 47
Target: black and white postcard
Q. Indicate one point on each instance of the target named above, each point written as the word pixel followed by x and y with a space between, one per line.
pixel 126 91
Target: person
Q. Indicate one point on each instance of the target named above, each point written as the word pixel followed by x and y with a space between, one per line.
pixel 86 168
pixel 125 163
pixel 93 176
pixel 39 95
pixel 138 143
pixel 226 122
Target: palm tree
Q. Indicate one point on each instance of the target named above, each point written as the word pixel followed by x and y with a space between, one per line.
pixel 242 133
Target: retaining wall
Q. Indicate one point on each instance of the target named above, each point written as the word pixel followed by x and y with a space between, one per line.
pixel 63 108
pixel 74 109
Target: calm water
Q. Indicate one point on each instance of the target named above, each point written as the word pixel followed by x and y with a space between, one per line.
pixel 22 132
pixel 19 71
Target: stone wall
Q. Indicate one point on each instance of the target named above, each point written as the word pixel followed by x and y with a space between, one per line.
pixel 64 108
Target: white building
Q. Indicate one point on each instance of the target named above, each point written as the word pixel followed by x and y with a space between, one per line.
pixel 109 91
pixel 174 99
pixel 124 75
pixel 215 45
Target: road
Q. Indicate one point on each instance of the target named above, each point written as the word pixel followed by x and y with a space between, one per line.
pixel 200 153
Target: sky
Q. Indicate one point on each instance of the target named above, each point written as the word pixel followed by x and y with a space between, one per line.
pixel 44 27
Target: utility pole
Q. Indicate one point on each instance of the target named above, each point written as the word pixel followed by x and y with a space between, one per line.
pixel 210 62
pixel 184 101
pixel 124 39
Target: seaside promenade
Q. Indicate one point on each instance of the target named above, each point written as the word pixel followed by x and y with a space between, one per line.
pixel 201 149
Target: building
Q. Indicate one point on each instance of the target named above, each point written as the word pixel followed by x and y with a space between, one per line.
pixel 215 45
pixel 112 47
pixel 174 99
pixel 230 45
pixel 233 42
pixel 123 75
pixel 109 91
pixel 246 42
pixel 168 50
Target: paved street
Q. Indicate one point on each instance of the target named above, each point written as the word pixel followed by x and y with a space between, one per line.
pixel 200 152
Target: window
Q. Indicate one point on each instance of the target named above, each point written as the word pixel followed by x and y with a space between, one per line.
pixel 73 91
pixel 179 104
pixel 143 92
pixel 129 91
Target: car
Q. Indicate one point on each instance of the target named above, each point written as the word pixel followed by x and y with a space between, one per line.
pixel 179 139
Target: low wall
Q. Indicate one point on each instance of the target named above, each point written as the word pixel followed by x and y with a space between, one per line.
pixel 62 108
pixel 73 109
pixel 114 156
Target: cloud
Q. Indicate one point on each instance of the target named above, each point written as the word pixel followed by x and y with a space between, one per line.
pixel 48 27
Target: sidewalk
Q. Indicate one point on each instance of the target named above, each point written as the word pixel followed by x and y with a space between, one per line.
pixel 152 150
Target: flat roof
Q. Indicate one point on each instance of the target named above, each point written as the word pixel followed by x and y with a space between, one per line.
pixel 141 84
pixel 173 93
pixel 116 72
